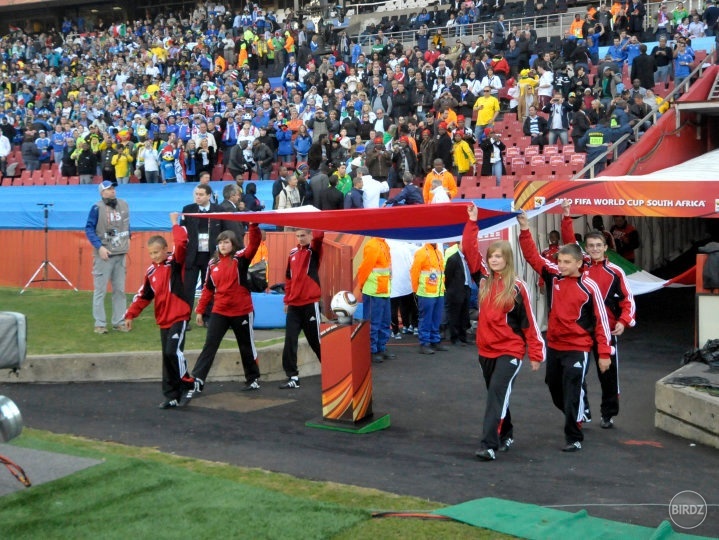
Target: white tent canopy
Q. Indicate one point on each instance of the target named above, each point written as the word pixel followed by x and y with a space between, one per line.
pixel 702 168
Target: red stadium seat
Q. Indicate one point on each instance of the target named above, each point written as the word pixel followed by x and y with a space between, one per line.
pixel 568 149
pixel 556 160
pixel 472 192
pixel 470 181
pixel 577 159
pixel 73 180
pixel 37 178
pixel 217 171
pixel 513 151
pixel 531 150
pixel 551 149
pixel 537 161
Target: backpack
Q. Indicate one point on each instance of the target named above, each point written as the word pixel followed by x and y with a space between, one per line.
pixel 710 273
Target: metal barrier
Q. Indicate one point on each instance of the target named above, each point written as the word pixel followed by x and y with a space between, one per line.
pixel 614 149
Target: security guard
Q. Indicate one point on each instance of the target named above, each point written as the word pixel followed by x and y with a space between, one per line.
pixel 374 276
pixel 596 142
pixel 427 275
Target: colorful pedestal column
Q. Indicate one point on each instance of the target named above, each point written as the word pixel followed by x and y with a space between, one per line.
pixel 347 380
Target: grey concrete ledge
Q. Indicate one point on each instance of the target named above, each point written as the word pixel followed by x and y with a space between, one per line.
pixel 147 366
pixel 686 411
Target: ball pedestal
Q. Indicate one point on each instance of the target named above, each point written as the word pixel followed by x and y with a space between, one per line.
pixel 347 380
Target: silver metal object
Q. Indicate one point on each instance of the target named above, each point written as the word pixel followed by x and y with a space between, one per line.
pixel 10 420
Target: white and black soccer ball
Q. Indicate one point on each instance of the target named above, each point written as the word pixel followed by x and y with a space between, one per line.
pixel 344 304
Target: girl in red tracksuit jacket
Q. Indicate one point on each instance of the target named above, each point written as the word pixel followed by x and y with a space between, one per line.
pixel 163 284
pixel 577 317
pixel 302 301
pixel 227 287
pixel 505 330
pixel 618 300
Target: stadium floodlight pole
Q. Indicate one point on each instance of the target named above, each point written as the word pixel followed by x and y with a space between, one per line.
pixel 46 263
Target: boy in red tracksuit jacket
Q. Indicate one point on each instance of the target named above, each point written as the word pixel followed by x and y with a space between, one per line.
pixel 227 288
pixel 618 300
pixel 302 301
pixel 163 284
pixel 506 329
pixel 577 317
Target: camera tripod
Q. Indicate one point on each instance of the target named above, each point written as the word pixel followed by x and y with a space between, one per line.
pixel 46 263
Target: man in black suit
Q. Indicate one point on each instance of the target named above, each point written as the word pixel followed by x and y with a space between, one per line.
pixel 456 295
pixel 233 203
pixel 201 239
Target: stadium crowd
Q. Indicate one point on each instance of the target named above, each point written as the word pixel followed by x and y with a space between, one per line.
pixel 168 97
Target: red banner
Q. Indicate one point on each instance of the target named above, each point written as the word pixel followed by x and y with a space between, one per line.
pixel 630 198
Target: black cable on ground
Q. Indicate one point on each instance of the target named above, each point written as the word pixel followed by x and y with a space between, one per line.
pixel 415 515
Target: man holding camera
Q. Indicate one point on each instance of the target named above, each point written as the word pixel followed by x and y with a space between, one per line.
pixel 560 114
pixel 108 230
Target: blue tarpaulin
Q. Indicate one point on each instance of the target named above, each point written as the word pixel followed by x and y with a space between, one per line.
pixel 150 204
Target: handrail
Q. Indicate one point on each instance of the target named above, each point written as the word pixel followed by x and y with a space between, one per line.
pixel 589 167
pixel 553 23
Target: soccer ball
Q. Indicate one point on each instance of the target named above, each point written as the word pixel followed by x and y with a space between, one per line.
pixel 344 304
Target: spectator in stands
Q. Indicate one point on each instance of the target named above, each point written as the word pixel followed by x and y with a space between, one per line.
pixel 545 88
pixel 535 127
pixel 463 155
pixel 596 143
pixel 711 17
pixel 492 161
pixel 679 13
pixel 663 56
pixel 697 28
pixel 636 13
pixel 560 112
pixel 86 163
pixel 487 107
pixel 606 85
pixel 643 68
pixel 354 199
pixel 494 82
pixel 31 154
pixel 682 64
pixel 445 179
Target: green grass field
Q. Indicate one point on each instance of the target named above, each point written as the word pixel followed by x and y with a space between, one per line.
pixel 142 493
pixel 60 322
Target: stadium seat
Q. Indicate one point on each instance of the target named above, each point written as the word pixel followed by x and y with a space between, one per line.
pixel 6 182
pixel 73 180
pixel 577 159
pixel 513 152
pixel 551 149
pixel 217 171
pixel 470 181
pixel 60 180
pixel 556 160
pixel 537 160
pixel 494 192
pixel 473 192
pixel 531 150
pixel 25 178
pixel 568 149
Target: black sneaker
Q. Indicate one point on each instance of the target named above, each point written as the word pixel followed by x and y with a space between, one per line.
pixel 388 355
pixel 576 446
pixel 292 382
pixel 377 358
pixel 607 423
pixel 250 386
pixel 424 349
pixel 505 444
pixel 439 347
pixel 191 393
pixel 486 454
pixel 169 404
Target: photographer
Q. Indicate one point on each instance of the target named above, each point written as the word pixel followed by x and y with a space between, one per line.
pixel 560 114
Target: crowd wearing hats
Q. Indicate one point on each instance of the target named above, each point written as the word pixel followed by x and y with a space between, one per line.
pixel 196 85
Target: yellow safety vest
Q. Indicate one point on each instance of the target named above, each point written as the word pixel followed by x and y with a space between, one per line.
pixel 378 283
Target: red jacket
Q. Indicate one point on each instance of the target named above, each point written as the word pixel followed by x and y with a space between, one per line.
pixel 226 281
pixel 302 279
pixel 577 314
pixel 612 283
pixel 163 283
pixel 510 330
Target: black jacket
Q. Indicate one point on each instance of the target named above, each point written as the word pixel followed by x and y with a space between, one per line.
pixel 192 224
